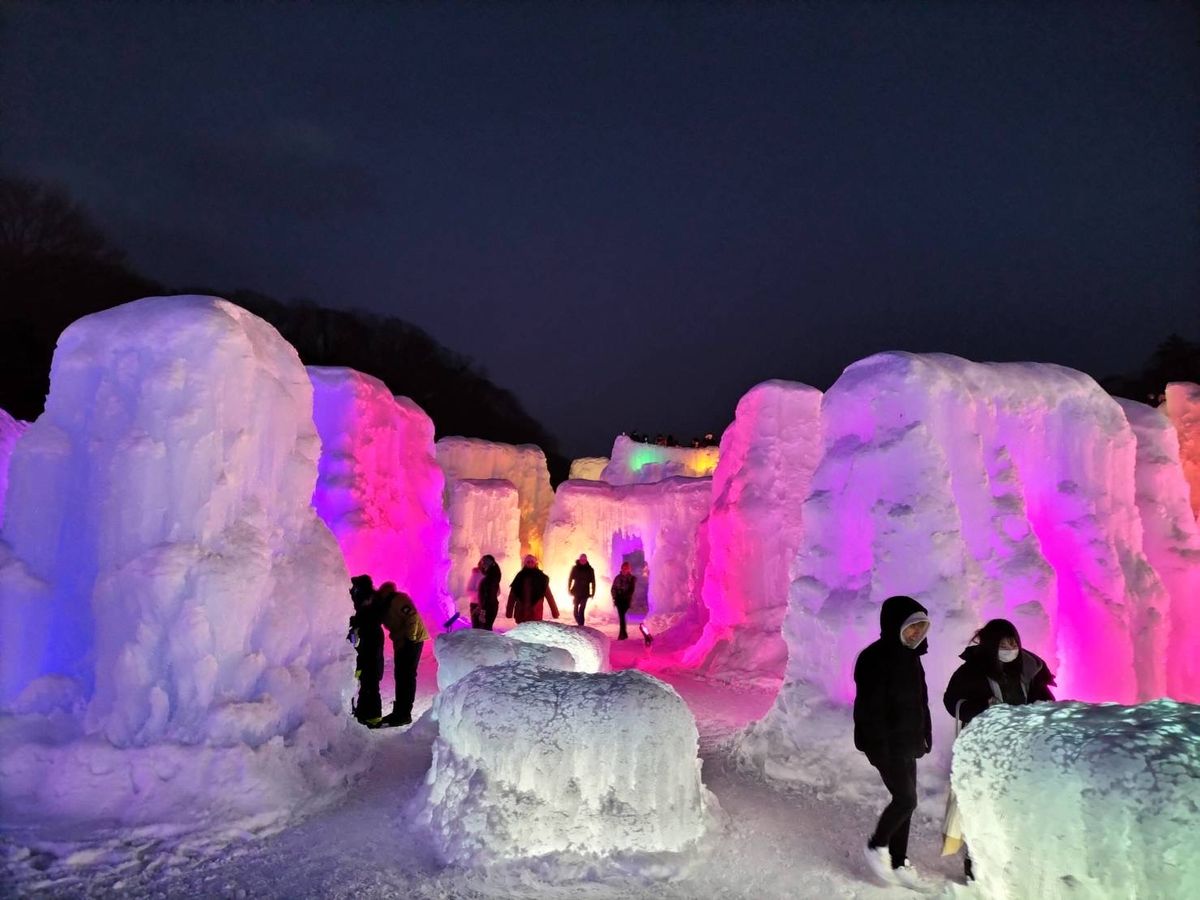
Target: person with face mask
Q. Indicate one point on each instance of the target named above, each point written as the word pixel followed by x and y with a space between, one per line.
pixel 892 727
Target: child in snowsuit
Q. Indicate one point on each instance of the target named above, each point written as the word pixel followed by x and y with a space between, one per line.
pixel 366 633
pixel 408 633
pixel 623 587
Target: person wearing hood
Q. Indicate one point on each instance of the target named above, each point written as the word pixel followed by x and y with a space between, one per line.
pixel 995 669
pixel 582 586
pixel 487 605
pixel 526 593
pixel 893 728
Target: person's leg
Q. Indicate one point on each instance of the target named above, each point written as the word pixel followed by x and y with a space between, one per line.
pixel 407 659
pixel 900 778
pixel 490 612
pixel 621 610
pixel 369 705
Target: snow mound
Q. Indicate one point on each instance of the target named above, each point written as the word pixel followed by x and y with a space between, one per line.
pixel 587 646
pixel 463 651
pixel 1183 409
pixel 485 518
pixel 636 463
pixel 588 468
pixel 530 762
pixel 1076 800
pixel 379 487
pixel 10 430
pixel 173 612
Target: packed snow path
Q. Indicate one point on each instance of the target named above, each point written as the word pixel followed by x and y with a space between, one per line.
pixel 773 842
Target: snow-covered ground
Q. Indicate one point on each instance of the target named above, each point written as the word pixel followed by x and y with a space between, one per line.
pixel 771 842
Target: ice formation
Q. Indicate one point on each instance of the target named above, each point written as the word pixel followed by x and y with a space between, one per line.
pixel 588 468
pixel 983 490
pixel 173 611
pixel 767 459
pixel 1183 409
pixel 10 430
pixel 587 646
pixel 485 518
pixel 523 465
pixel 379 487
pixel 467 649
pixel 636 463
pixel 530 762
pixel 1075 800
pixel 651 526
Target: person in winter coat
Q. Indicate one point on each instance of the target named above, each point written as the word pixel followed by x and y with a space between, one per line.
pixel 526 593
pixel 893 728
pixel 408 633
pixel 485 610
pixel 582 585
pixel 623 587
pixel 995 669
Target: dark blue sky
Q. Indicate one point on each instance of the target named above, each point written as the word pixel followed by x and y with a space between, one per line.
pixel 631 213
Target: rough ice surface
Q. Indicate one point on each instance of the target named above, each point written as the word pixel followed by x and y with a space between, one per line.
pixel 485 517
pixel 524 465
pixel 10 430
pixel 767 459
pixel 379 487
pixel 530 762
pixel 1183 409
pixel 463 651
pixel 982 490
pixel 633 462
pixel 1075 800
pixel 1171 540
pixel 587 646
pixel 652 526
pixel 172 608
pixel 588 468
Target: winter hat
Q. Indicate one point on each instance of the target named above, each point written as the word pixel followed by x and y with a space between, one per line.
pixel 916 618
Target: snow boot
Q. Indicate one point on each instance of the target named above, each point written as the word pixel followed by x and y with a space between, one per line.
pixel 879 861
pixel 908 877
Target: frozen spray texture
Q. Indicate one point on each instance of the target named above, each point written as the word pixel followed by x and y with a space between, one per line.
pixel 485 518
pixel 588 468
pixel 1183 409
pixel 633 462
pixel 463 651
pixel 587 646
pixel 10 430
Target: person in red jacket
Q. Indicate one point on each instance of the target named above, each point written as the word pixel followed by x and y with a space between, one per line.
pixel 526 593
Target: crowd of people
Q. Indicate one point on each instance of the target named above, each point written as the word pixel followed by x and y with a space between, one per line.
pixel 709 439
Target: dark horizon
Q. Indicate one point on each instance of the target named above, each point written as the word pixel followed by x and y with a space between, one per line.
pixel 629 215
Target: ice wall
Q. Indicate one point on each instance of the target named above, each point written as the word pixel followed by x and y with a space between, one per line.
pixel 653 526
pixel 523 465
pixel 587 646
pixel 530 762
pixel 636 463
pixel 379 487
pixel 167 592
pixel 10 430
pixel 754 528
pixel 1183 409
pixel 588 468
pixel 485 517
pixel 1171 540
pixel 464 650
pixel 1073 800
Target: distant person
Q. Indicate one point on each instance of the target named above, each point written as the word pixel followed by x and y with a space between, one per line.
pixel 366 634
pixel 526 593
pixel 623 587
pixel 487 602
pixel 995 670
pixel 892 727
pixel 582 586
pixel 408 633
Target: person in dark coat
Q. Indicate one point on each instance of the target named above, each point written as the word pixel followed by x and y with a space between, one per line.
pixel 582 585
pixel 995 669
pixel 408 633
pixel 526 593
pixel 366 633
pixel 893 728
pixel 623 587
pixel 487 605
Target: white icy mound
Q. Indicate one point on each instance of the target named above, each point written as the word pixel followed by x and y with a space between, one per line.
pixel 530 762
pixel 588 468
pixel 464 650
pixel 754 528
pixel 379 487
pixel 173 611
pixel 524 465
pixel 485 517
pixel 653 526
pixel 10 430
pixel 1183 409
pixel 1072 800
pixel 636 463
pixel 587 646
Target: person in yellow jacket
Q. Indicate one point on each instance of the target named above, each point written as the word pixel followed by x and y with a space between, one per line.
pixel 409 635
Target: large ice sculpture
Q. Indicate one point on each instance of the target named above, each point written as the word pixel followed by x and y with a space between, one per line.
pixel 636 463
pixel 587 646
pixel 1183 409
pixel 588 468
pixel 530 762
pixel 485 518
pixel 754 528
pixel 167 593
pixel 463 651
pixel 1074 800
pixel 10 430
pixel 524 465
pixel 379 487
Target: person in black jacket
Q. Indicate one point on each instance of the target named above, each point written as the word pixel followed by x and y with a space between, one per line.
pixel 488 596
pixel 366 634
pixel 582 586
pixel 892 727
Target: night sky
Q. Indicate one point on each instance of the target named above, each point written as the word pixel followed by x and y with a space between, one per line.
pixel 629 214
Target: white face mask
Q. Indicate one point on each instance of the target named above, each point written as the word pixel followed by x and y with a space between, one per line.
pixel 1007 656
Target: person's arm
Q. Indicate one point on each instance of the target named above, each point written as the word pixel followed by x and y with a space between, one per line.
pixel 870 709
pixel 550 600
pixel 512 598
pixel 958 698
pixel 591 584
pixel 571 583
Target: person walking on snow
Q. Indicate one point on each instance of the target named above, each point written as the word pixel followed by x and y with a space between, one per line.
pixel 892 727
pixel 623 587
pixel 526 593
pixel 408 633
pixel 582 585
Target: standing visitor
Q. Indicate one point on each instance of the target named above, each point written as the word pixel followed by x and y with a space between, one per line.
pixel 366 635
pixel 623 587
pixel 526 593
pixel 408 633
pixel 582 586
pixel 487 605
